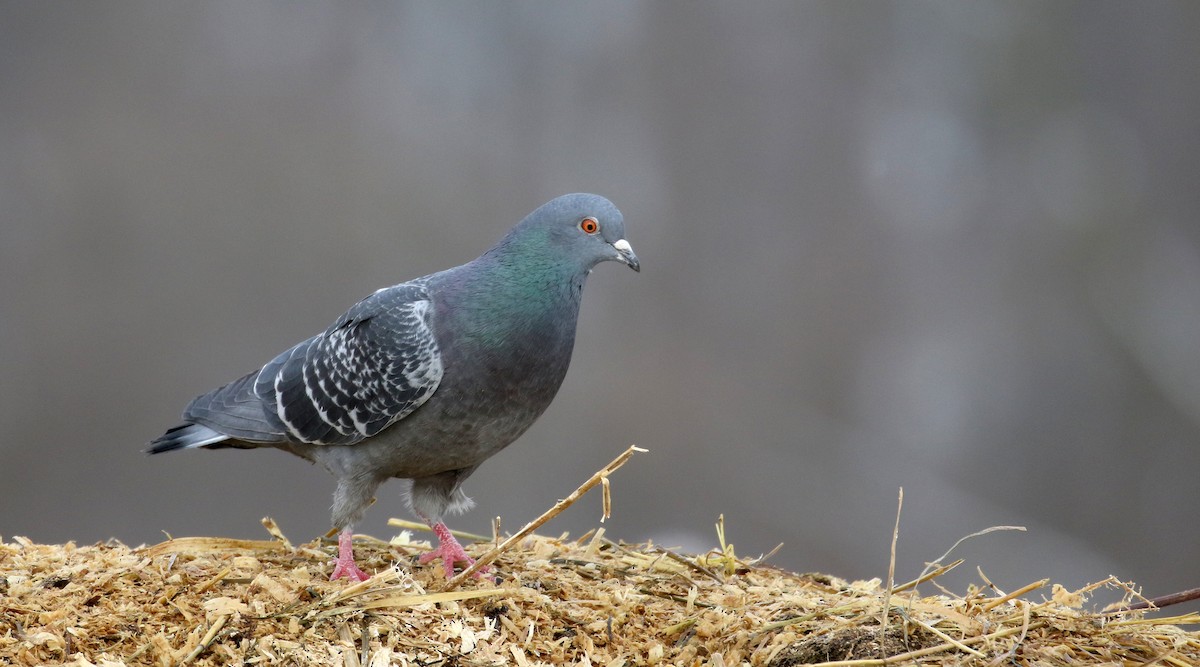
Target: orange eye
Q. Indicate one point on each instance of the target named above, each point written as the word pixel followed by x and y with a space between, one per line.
pixel 589 225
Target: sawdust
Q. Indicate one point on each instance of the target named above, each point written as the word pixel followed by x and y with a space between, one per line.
pixel 548 601
pixel 588 601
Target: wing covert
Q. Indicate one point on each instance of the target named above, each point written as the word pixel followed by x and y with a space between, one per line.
pixel 371 368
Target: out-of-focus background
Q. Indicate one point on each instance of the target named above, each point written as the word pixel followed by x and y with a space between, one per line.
pixel 953 247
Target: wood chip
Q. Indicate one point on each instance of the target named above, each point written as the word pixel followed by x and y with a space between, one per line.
pixel 557 602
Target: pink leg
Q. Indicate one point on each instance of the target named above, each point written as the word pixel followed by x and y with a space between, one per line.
pixel 449 550
pixel 344 566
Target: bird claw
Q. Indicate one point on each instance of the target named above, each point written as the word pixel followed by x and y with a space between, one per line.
pixel 450 555
pixel 344 565
pixel 348 570
pixel 450 551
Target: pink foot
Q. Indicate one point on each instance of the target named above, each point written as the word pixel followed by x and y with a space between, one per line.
pixel 450 551
pixel 344 565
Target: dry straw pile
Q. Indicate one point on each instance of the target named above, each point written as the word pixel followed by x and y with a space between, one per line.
pixel 587 601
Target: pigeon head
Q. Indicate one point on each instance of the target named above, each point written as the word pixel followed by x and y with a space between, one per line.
pixel 580 229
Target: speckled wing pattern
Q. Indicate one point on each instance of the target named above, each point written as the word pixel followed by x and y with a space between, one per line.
pixel 371 368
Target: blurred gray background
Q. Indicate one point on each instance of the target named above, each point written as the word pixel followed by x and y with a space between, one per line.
pixel 952 247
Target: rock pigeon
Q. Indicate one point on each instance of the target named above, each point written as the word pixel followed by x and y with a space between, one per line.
pixel 426 379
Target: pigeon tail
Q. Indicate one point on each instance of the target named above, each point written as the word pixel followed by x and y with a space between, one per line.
pixel 186 436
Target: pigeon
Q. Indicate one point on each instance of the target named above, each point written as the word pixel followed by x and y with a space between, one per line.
pixel 426 379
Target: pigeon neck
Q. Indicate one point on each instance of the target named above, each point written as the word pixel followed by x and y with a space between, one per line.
pixel 532 270
pixel 501 299
pixel 529 283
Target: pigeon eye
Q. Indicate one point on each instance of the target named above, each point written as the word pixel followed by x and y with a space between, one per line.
pixel 589 225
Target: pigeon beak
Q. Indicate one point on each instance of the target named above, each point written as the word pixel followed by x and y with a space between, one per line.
pixel 625 254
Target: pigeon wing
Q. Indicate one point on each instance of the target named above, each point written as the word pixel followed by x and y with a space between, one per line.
pixel 375 365
pixel 371 368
